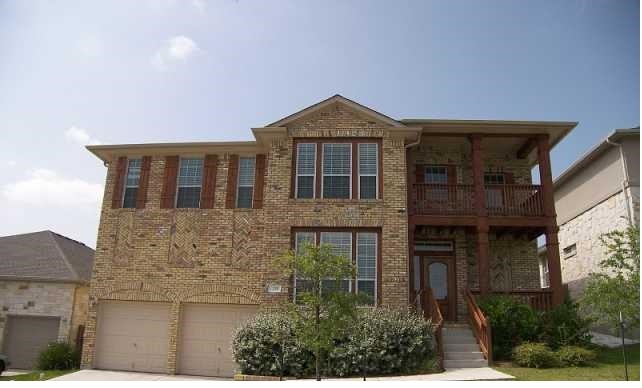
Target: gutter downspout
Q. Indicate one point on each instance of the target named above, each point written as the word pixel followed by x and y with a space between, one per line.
pixel 625 182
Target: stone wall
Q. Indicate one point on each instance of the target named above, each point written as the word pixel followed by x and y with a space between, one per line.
pixel 37 298
pixel 224 255
pixel 584 231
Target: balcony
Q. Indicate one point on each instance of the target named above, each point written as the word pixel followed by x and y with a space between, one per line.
pixel 459 200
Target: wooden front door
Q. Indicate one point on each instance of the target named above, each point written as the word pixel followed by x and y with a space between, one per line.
pixel 439 275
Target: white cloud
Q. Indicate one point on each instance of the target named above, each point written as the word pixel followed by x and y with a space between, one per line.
pixel 44 188
pixel 80 136
pixel 199 5
pixel 89 47
pixel 174 50
pixel 11 163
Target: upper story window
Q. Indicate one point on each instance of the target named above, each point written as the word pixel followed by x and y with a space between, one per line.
pixel 190 177
pixel 305 170
pixel 368 170
pixel 343 170
pixel 132 181
pixel 436 174
pixel 246 182
pixel 494 179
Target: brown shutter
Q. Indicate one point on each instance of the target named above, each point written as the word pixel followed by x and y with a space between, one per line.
pixel 232 174
pixel 259 182
pixel 452 174
pixel 509 178
pixel 209 181
pixel 143 183
pixel 119 180
pixel 419 173
pixel 169 182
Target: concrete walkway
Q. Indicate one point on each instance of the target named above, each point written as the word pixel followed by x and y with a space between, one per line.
pixel 107 375
pixel 15 372
pixel 610 341
pixel 454 374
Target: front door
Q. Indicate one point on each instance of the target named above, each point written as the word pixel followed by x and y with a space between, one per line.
pixel 439 275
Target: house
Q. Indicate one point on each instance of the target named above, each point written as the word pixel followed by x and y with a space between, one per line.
pixel 44 285
pixel 597 194
pixel 188 231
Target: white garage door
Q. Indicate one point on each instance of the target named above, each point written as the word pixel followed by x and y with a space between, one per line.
pixel 132 336
pixel 206 338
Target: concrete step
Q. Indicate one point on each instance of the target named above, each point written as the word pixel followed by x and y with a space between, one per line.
pixel 457 333
pixel 456 348
pixel 459 340
pixel 473 355
pixel 479 363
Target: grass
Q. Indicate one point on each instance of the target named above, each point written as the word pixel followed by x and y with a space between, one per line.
pixel 37 375
pixel 609 366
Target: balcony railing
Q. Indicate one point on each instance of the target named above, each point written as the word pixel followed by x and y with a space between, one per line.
pixel 540 300
pixel 501 200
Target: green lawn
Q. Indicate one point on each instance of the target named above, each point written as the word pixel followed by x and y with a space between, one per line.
pixel 36 375
pixel 609 366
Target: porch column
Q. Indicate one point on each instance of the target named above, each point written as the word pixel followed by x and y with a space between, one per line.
pixel 552 244
pixel 481 213
pixel 411 264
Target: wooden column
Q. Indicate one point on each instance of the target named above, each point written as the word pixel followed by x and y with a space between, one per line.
pixel 411 264
pixel 483 251
pixel 552 244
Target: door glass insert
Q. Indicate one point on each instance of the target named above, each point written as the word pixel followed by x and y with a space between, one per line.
pixel 438 274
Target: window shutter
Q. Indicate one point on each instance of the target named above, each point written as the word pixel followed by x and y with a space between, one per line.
pixel 209 181
pixel 509 178
pixel 452 174
pixel 232 176
pixel 143 183
pixel 169 182
pixel 259 181
pixel 119 181
pixel 419 173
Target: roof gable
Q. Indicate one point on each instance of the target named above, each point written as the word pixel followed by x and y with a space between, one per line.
pixel 336 99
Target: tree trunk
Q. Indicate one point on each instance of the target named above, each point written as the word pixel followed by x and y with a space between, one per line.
pixel 317 355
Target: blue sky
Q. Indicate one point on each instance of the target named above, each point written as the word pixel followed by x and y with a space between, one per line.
pixel 168 70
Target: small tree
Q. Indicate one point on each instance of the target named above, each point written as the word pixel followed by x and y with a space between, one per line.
pixel 322 311
pixel 618 288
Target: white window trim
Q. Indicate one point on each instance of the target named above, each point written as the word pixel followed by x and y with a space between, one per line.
pixel 314 175
pixel 323 174
pixel 376 285
pixel 238 182
pixel 570 254
pixel 178 179
pixel 296 246
pixel 122 200
pixel 376 174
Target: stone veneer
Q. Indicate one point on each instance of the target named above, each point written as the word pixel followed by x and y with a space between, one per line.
pixel 43 299
pixel 224 255
pixel 585 230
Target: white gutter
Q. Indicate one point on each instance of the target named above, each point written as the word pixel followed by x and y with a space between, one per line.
pixel 625 182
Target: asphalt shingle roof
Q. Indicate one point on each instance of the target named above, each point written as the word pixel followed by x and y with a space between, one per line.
pixel 45 256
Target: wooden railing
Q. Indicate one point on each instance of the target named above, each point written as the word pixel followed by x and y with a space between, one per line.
pixel 480 325
pixel 432 311
pixel 501 200
pixel 540 300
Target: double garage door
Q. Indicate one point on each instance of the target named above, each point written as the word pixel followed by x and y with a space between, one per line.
pixel 135 336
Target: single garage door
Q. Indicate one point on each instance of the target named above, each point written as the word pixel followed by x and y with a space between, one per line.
pixel 26 336
pixel 132 336
pixel 206 338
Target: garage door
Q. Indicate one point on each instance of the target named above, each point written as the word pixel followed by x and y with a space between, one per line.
pixel 132 336
pixel 25 337
pixel 206 338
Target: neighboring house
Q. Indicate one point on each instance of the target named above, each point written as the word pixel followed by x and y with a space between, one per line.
pixel 598 194
pixel 44 284
pixel 189 231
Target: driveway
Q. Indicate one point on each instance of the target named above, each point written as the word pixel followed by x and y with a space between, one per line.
pixel 108 375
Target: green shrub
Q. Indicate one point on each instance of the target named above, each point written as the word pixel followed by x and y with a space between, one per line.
pixel 534 355
pixel 264 341
pixel 58 355
pixel 563 326
pixel 575 356
pixel 512 322
pixel 385 341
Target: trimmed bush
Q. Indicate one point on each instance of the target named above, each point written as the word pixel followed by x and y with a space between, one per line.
pixel 563 326
pixel 266 345
pixel 385 341
pixel 512 323
pixel 58 355
pixel 575 356
pixel 534 355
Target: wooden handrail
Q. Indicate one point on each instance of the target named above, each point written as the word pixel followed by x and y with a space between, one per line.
pixel 438 321
pixel 480 325
pixel 539 300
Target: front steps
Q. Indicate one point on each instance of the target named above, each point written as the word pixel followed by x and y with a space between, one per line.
pixel 460 347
